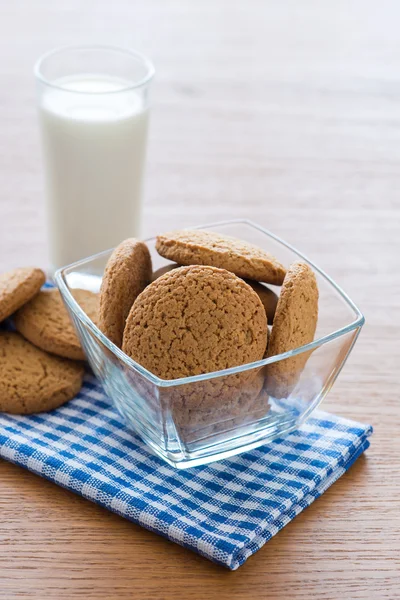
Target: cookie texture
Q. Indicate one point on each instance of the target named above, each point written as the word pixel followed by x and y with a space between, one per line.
pixel 18 287
pixel 294 325
pixel 45 322
pixel 268 298
pixel 127 273
pixel 195 320
pixel 197 247
pixel 33 381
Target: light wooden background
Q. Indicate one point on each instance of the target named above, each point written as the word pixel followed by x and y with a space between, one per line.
pixel 285 112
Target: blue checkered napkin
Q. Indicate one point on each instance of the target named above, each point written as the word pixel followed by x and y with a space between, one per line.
pixel 225 511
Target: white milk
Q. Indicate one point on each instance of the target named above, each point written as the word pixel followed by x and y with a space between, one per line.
pixel 94 151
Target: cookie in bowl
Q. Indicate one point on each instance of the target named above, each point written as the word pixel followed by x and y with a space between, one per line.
pixel 195 320
pixel 198 247
pixel 294 326
pixel 127 273
pixel 169 379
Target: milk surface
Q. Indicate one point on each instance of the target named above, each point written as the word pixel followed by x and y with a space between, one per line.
pixel 94 138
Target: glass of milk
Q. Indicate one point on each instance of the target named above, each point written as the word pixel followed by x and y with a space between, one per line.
pixel 93 111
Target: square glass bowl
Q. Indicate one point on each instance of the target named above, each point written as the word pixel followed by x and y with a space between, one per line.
pixel 197 420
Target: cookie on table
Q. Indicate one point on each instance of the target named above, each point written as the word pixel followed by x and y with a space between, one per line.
pixel 195 320
pixel 33 381
pixel 18 287
pixel 294 325
pixel 45 322
pixel 268 298
pixel 197 247
pixel 127 273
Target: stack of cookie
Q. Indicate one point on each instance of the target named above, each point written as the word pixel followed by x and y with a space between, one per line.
pixel 40 366
pixel 209 310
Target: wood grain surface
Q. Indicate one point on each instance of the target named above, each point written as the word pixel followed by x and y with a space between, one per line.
pixel 284 112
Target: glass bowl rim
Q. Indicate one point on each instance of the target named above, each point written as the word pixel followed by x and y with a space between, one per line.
pixel 129 362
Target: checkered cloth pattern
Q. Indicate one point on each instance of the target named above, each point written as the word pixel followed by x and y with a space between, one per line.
pixel 225 511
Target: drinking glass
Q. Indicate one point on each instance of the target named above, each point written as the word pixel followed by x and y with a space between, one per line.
pixel 93 111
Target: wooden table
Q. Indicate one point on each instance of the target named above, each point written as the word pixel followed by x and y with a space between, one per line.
pixel 284 112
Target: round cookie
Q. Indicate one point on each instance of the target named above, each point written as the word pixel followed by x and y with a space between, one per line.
pixel 33 381
pixel 45 322
pixel 127 273
pixel 195 320
pixel 197 247
pixel 268 298
pixel 294 325
pixel 18 287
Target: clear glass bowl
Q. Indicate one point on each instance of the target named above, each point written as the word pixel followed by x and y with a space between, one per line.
pixel 196 420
